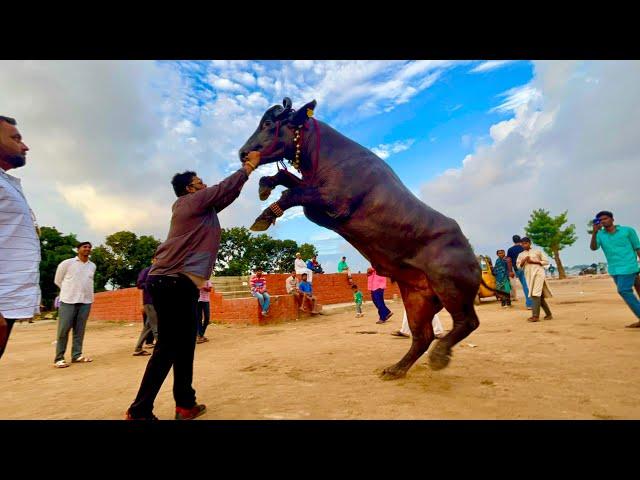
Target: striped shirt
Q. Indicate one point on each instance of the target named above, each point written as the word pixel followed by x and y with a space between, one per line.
pixel 205 295
pixel 258 284
pixel 19 252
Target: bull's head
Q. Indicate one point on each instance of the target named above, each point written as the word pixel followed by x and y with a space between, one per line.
pixel 275 132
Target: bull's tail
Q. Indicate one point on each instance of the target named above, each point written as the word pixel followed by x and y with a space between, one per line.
pixel 501 292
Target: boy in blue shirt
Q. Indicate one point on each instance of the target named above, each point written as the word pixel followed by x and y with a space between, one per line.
pixel 306 290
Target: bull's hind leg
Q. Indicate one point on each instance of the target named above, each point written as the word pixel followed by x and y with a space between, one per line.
pixel 457 296
pixel 420 306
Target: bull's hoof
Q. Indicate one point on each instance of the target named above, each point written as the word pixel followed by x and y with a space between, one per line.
pixel 261 224
pixel 440 356
pixel 392 373
pixel 265 188
pixel 264 192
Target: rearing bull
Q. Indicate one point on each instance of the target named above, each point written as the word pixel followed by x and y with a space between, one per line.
pixel 348 189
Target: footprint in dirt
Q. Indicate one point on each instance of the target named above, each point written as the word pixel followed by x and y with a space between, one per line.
pixel 255 366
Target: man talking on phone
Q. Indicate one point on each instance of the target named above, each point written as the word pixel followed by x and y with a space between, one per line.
pixel 621 247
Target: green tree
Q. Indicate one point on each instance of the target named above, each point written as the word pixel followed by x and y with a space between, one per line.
pixel 241 252
pixel 231 260
pixel 104 267
pixel 54 248
pixel 307 251
pixel 122 257
pixel 547 231
pixel 285 256
pixel 590 227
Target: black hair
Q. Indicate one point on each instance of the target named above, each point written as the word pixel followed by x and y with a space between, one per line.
pixel 181 181
pixel 604 212
pixel 9 120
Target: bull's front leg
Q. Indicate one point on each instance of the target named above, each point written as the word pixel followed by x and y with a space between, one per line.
pixel 283 177
pixel 289 198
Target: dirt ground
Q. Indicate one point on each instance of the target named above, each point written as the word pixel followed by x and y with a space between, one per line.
pixel 583 364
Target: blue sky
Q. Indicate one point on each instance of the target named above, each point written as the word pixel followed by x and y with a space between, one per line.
pixel 483 142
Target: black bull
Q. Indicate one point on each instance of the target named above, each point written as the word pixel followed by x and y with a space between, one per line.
pixel 348 189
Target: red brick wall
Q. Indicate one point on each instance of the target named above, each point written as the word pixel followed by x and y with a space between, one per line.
pixel 122 305
pixel 125 305
pixel 331 287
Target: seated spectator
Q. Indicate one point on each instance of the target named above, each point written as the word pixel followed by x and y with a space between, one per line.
pixel 291 284
pixel 259 290
pixel 301 267
pixel 344 268
pixel 314 266
pixel 308 299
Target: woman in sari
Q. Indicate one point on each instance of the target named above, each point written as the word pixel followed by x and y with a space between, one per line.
pixel 502 272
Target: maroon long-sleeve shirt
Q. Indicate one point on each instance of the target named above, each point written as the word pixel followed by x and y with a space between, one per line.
pixel 194 235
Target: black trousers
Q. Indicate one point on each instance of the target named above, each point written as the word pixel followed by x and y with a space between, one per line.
pixel 176 302
pixel 10 322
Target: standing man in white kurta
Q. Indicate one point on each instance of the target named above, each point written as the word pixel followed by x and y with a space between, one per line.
pixel 301 267
pixel 74 276
pixel 533 262
pixel 19 243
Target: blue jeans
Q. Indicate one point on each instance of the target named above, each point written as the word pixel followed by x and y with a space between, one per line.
pixel 625 289
pixel 378 300
pixel 523 282
pixel 71 316
pixel 264 300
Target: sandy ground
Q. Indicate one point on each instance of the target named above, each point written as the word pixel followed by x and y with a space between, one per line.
pixel 583 364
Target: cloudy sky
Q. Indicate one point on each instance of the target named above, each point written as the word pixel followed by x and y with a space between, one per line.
pixel 485 142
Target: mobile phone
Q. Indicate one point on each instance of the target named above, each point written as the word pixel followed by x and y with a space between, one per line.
pixel 596 221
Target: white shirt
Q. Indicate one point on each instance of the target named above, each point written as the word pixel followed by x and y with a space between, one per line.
pixel 19 252
pixel 75 279
pixel 300 266
pixel 291 284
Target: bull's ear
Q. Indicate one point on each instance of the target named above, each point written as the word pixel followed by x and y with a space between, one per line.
pixel 301 115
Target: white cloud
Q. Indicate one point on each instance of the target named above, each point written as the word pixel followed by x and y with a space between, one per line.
pixel 225 84
pixel 245 78
pixel 185 127
pixel 384 150
pixel 572 147
pixel 290 214
pixel 516 97
pixel 490 65
pixel 106 213
pixel 303 64
pixel 324 235
pixel 112 133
